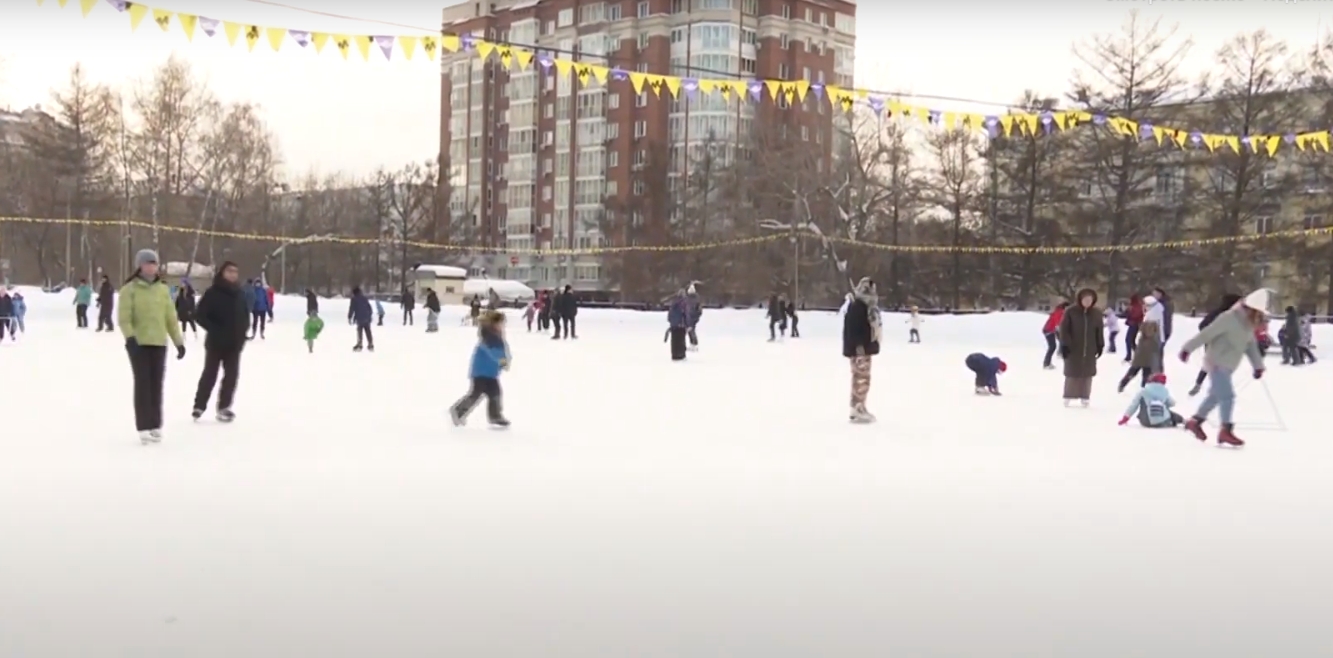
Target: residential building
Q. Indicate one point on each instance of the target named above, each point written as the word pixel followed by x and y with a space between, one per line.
pixel 535 159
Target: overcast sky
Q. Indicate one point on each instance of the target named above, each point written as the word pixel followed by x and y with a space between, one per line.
pixel 353 116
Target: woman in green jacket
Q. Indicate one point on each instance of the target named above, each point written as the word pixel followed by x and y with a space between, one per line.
pixel 147 318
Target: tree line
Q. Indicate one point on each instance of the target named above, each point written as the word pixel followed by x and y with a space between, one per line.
pixel 1086 187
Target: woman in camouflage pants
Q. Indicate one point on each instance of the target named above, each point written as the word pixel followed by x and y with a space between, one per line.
pixel 860 343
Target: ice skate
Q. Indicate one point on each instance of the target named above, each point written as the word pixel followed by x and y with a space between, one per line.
pixel 357 348
pixel 860 415
pixel 499 423
pixel 149 438
pixel 1195 426
pixel 457 419
pixel 993 391
pixel 1227 438
pixel 1067 402
pixel 225 416
pixel 1048 367
pixel 1121 387
pixel 1195 391
pixel 981 390
pixel 197 414
pixel 1085 403
pixel 370 348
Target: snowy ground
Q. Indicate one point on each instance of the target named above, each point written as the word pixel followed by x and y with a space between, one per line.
pixel 721 507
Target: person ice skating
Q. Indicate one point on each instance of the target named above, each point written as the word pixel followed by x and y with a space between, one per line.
pixel 106 304
pixel 790 310
pixel 147 318
pixel 432 312
pixel 20 312
pixel 846 302
pixel 1229 300
pixel 1152 404
pixel 489 359
pixel 379 312
pixel 566 310
pixel 1289 338
pixel 987 370
pixel 361 314
pixel 530 314
pixel 1304 343
pixel 694 313
pixel 185 308
pixel 409 303
pixel 1133 318
pixel 474 311
pixel 678 324
pixel 313 325
pixel 83 298
pixel 1167 313
pixel 258 298
pixel 777 317
pixel 225 316
pixel 1081 343
pixel 7 323
pixel 1226 341
pixel 1147 357
pixel 860 344
pixel 1112 329
pixel 271 295
pixel 311 302
pixel 1051 332
pixel 914 326
pixel 544 311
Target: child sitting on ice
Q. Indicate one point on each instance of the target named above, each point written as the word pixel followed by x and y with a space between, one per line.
pixel 986 368
pixel 1153 405
pixel 313 325
pixel 489 359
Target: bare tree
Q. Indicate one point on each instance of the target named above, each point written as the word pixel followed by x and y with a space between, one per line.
pixel 955 187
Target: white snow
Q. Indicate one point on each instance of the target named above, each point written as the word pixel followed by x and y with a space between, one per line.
pixel 444 271
pixel 722 506
pixel 177 269
pixel 507 290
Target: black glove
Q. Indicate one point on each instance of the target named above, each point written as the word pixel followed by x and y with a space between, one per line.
pixel 180 352
pixel 1064 352
pixel 131 344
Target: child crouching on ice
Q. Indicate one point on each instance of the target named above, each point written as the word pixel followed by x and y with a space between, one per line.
pixel 313 325
pixel 1153 405
pixel 490 357
pixel 987 368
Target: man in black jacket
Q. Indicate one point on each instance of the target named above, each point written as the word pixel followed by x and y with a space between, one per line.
pixel 225 316
pixel 566 308
pixel 860 343
pixel 409 305
pixel 106 304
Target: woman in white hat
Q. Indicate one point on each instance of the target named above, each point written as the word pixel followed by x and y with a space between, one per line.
pixel 1229 338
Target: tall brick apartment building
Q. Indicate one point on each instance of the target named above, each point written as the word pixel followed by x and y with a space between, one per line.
pixel 533 158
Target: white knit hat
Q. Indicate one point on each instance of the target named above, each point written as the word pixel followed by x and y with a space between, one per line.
pixel 1149 301
pixel 1259 299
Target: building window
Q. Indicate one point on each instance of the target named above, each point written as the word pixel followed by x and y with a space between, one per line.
pixel 805 134
pixel 677 6
pixel 786 11
pixel 784 71
pixel 640 128
pixel 641 100
pixel 1263 225
pixel 613 13
pixel 786 41
pixel 565 18
pixel 1312 222
pixel 643 9
pixel 613 101
pixel 593 13
pixel 638 187
pixel 750 7
pixel 612 160
pixel 809 15
pixel 643 40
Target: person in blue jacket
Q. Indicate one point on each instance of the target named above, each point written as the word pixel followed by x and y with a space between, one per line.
pixel 360 313
pixel 258 298
pixel 987 370
pixel 20 311
pixel 678 324
pixel 1152 404
pixel 489 359
pixel 379 313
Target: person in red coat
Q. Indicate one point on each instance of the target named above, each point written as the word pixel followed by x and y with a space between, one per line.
pixel 1050 329
pixel 1133 318
pixel 269 291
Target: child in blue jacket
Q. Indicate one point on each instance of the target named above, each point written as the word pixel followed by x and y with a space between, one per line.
pixel 489 359
pixel 20 311
pixel 987 369
pixel 1153 405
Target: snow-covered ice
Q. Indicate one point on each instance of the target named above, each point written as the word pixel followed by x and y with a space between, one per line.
pixel 720 507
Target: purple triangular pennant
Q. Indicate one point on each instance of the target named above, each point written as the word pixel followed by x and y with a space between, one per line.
pixel 933 117
pixel 466 41
pixel 208 25
pixel 619 75
pixel 1098 119
pixel 1289 138
pixel 1145 130
pixel 876 104
pixel 301 37
pixel 690 85
pixel 545 60
pixel 756 88
pixel 818 90
pixel 386 45
pixel 1196 138
pixel 120 5
pixel 993 130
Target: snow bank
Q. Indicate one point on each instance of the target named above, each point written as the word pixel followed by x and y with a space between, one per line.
pixel 507 290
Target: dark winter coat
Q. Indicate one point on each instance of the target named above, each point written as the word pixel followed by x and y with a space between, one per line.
pixel 678 313
pixel 432 302
pixel 776 309
pixel 1292 327
pixel 1148 353
pixel 567 305
pixel 1228 300
pixel 858 331
pixel 790 310
pixel 1082 337
pixel 694 309
pixel 987 368
pixel 359 309
pixel 185 303
pixel 260 298
pixel 248 291
pixel 1168 312
pixel 6 306
pixel 224 315
pixel 409 301
pixel 311 302
pixel 106 295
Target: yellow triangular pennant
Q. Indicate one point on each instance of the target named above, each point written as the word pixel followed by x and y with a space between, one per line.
pixel 251 37
pixel 343 43
pixel 1159 134
pixel 738 87
pixel 137 13
pixel 450 43
pixel 1321 138
pixel 63 3
pixel 87 6
pixel 1007 124
pixel 233 30
pixel 599 73
pixel 484 49
pixel 163 19
pixel 802 87
pixel 363 43
pixel 318 40
pixel 672 84
pixel 637 80
pixel 276 35
pixel 187 21
pixel 1061 119
pixel 1234 142
pixel 506 56
pixel 409 46
pixel 524 58
pixel 1181 137
pixel 563 67
pixel 774 88
pixel 1273 142
pixel 430 46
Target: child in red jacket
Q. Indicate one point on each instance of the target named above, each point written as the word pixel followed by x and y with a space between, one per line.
pixel 1050 329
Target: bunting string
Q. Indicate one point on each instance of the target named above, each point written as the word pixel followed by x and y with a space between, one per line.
pixel 785 93
pixel 1301 234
